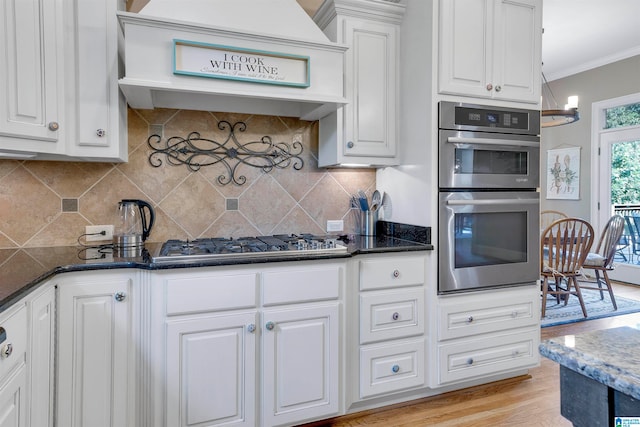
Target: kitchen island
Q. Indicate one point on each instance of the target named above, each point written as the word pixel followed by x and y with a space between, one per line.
pixel 599 375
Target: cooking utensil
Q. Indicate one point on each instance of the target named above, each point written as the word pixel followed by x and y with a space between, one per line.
pixel 376 199
pixel 362 198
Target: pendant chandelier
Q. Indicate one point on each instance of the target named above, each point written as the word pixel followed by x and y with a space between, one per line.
pixel 555 116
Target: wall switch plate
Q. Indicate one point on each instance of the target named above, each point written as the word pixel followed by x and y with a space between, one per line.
pixel 335 225
pixel 93 233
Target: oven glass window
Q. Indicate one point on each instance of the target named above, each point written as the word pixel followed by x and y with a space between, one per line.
pixel 490 238
pixel 472 161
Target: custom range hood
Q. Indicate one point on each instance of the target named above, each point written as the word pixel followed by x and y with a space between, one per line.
pixel 239 56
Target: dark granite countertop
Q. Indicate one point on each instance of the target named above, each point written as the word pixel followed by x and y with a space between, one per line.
pixel 609 356
pixel 21 270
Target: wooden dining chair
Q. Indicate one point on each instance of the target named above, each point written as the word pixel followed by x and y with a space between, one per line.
pixel 564 246
pixel 549 216
pixel 601 260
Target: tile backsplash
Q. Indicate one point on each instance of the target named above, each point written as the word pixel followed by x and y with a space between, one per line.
pixel 49 203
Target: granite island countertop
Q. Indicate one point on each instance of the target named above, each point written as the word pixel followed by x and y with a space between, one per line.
pixel 21 270
pixel 609 356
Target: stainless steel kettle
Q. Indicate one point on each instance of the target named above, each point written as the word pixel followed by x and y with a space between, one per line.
pixel 133 223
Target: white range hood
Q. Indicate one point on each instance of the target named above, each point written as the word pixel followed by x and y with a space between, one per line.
pixel 240 56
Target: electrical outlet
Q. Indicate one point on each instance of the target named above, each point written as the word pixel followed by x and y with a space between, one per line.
pixel 335 225
pixel 93 231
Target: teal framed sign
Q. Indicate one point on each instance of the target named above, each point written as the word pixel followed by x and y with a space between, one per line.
pixel 232 63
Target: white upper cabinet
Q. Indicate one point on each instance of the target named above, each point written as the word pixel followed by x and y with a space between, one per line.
pixel 363 132
pixel 98 113
pixel 32 77
pixel 491 49
pixel 60 76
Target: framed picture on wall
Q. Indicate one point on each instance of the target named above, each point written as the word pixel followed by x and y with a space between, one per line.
pixel 563 173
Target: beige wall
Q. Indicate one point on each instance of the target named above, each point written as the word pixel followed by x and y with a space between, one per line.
pixel 599 84
pixel 188 204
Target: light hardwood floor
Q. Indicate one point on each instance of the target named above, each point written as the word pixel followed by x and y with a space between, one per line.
pixel 533 400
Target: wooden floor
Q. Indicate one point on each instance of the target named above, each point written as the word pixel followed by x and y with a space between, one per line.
pixel 528 401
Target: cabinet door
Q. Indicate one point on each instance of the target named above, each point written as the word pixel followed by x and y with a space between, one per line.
pixel 13 400
pixel 211 370
pixel 94 347
pixel 518 50
pixel 98 109
pixel 41 359
pixel 370 83
pixel 465 47
pixel 491 49
pixel 300 364
pixel 30 74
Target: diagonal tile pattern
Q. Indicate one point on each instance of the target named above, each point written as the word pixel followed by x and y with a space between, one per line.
pixel 188 204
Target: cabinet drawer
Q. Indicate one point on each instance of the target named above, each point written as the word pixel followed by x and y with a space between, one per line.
pixel 391 272
pixel 301 285
pixel 210 292
pixel 487 313
pixel 467 359
pixel 391 314
pixel 391 367
pixel 14 323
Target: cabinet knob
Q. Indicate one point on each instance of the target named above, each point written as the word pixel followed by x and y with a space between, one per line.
pixel 395 369
pixel 54 126
pixel 396 273
pixel 470 319
pixel 6 351
pixel 470 361
pixel 120 296
pixel 489 87
pixel 251 328
pixel 270 326
pixel 395 316
pixel 350 144
pixel 101 132
pixel 498 88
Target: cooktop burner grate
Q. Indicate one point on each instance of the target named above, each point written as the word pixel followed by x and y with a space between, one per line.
pixel 265 246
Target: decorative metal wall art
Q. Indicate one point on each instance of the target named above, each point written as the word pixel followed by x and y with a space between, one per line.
pixel 196 152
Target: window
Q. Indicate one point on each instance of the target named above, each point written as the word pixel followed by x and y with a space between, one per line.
pixel 622 116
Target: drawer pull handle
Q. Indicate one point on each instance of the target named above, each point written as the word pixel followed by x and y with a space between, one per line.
pixel 470 319
pixel 395 369
pixel 270 326
pixel 7 349
pixel 470 361
pixel 395 316
pixel 396 273
pixel 251 328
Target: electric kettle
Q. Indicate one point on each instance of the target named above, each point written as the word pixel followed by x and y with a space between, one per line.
pixel 133 223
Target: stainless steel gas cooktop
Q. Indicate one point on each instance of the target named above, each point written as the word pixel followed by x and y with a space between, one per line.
pixel 246 247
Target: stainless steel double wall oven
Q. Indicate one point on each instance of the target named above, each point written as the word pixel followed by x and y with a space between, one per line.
pixel 489 166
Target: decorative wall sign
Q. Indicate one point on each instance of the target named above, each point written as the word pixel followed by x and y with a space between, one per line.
pixel 232 63
pixel 563 173
pixel 196 152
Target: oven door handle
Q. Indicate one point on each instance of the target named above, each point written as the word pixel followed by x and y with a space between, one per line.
pixel 493 202
pixel 491 141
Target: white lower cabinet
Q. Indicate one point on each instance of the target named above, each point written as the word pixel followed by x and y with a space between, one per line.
pixel 300 364
pixel 211 370
pixel 245 338
pixel 40 358
pixel 13 369
pixel 13 398
pixel 95 369
pixel 487 333
pixel 391 324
